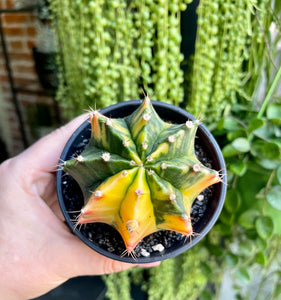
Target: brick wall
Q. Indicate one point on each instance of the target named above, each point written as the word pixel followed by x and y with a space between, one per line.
pixel 20 36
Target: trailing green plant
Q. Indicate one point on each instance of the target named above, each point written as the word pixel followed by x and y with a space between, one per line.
pixel 140 174
pixel 183 277
pixel 224 69
pixel 116 48
pixel 113 49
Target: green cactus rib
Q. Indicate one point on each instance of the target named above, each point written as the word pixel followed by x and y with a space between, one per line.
pixel 140 174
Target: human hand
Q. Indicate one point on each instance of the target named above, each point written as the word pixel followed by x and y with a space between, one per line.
pixel 37 250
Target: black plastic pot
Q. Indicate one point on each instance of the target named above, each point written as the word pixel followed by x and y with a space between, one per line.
pixel 172 114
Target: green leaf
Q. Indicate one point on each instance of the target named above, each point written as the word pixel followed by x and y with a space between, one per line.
pixel 219 126
pixel 206 269
pixel 215 235
pixel 232 135
pixel 268 164
pixel 277 139
pixel 261 244
pixel 275 215
pixel 229 151
pixel 277 132
pixel 231 124
pixel 266 131
pixel 257 148
pixel 273 113
pixel 256 169
pixel 243 275
pixel 260 258
pixel 225 229
pixel 278 174
pixel 239 296
pixel 277 6
pixel 215 250
pixel 231 259
pixel 271 151
pixel 206 295
pixel 273 197
pixel 264 227
pixel 277 272
pixel 246 248
pixel 277 291
pixel 241 144
pixel 237 287
pixel 251 234
pixel 232 201
pixel 266 150
pixel 247 219
pixel 255 124
pixel 226 217
pixel 239 168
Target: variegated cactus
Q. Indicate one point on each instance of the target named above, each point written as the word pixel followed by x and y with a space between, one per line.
pixel 140 174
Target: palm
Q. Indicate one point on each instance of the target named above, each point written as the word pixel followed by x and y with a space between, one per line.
pixel 37 250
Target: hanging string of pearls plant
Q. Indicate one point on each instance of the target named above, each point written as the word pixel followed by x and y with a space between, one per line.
pixel 114 49
pixel 223 69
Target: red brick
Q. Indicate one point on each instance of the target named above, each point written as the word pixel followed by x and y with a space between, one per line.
pixel 20 36
pixel 4 78
pixel 32 17
pixel 11 109
pixel 9 4
pixel 31 31
pixel 6 4
pixel 21 56
pixel 13 31
pixel 16 45
pixel 3 68
pixel 15 18
pixel 15 129
pixel 12 118
pixel 24 69
pixel 7 99
pixel 23 82
pixel 5 88
pixel 30 44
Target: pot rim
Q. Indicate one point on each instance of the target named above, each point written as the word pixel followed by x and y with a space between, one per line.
pixel 221 186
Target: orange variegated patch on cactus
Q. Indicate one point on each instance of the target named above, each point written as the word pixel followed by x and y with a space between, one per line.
pixel 140 174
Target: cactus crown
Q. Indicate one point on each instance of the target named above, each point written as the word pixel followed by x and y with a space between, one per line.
pixel 140 174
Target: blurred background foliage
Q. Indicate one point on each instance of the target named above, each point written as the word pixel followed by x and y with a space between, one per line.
pixel 112 50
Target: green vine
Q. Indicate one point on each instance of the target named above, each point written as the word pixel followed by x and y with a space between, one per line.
pixel 225 72
pixel 116 49
pixel 178 278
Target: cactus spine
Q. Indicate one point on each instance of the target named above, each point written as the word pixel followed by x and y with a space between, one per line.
pixel 140 174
